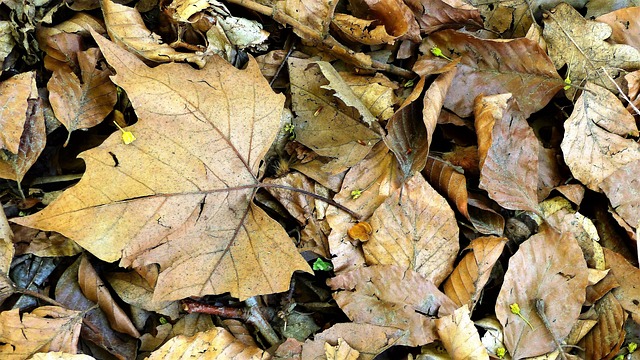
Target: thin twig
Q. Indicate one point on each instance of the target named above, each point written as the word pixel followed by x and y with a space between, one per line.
pixel 540 310
pixel 40 296
pixel 284 61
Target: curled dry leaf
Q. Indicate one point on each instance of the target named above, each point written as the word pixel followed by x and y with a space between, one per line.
pixel 342 351
pixel 127 29
pixel 214 344
pixel 323 125
pixel 81 104
pixel 414 229
pixel 509 171
pixel 491 67
pixel 436 15
pixel 628 293
pixel 47 328
pixel 375 92
pixel 367 32
pixel 465 284
pixel 180 195
pixel 625 25
pixel 391 296
pixel 581 45
pixel 547 266
pixel 622 188
pixel 606 337
pixel 396 17
pixel 460 337
pixel 595 143
pixel 95 290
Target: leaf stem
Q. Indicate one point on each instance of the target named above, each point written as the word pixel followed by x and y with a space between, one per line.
pixel 315 196
pixel 540 310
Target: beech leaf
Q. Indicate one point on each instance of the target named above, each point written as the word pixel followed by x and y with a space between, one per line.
pixel 180 195
pixel 460 337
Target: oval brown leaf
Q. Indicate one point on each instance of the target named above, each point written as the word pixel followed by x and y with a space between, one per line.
pixel 180 195
pixel 414 229
pixel 548 267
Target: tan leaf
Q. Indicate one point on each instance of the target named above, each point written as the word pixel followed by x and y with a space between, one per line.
pixel 550 267
pixel 509 172
pixel 316 14
pixel 375 178
pixel 61 48
pixel 376 93
pixel 81 104
pixel 327 128
pixel 391 296
pixel 453 184
pixel 626 275
pixel 26 116
pixel 465 284
pixel 492 67
pixel 460 337
pixel 436 15
pixel 369 340
pixel 180 195
pixel 367 32
pixel 95 290
pixel 625 25
pixel 622 188
pixel 414 229
pixel 134 290
pixel 127 29
pixel 579 43
pixel 214 344
pixel 6 244
pixel 396 17
pixel 465 157
pixel 594 143
pixel 47 328
pixel 606 337
pixel 60 356
pixel 342 351
pixel 7 287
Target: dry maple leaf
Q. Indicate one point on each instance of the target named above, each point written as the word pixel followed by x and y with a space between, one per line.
pixel 181 194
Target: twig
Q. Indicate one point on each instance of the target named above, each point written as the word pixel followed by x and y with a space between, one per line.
pixel 37 295
pixel 540 310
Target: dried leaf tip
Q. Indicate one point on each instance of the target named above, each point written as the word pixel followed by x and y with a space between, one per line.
pixel 127 136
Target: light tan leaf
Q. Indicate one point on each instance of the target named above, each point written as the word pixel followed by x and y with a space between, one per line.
pixel 414 229
pixel 377 93
pixel 316 14
pixel 326 127
pixel 127 29
pixel 625 25
pixel 391 296
pixel 60 356
pixel 436 15
pixel 509 171
pixel 492 67
pixel 81 104
pixel 134 290
pixel 6 244
pixel 460 337
pixel 628 293
pixel 180 195
pixel 581 45
pixel 622 188
pixel 214 344
pixel 594 143
pixel 465 284
pixel 547 266
pixel 95 290
pixel 368 32
pixel 606 337
pixel 14 93
pixel 342 351
pixel 47 328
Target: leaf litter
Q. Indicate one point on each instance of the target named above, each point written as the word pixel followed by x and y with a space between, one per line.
pixel 226 150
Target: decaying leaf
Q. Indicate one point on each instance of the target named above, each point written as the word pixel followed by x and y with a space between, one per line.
pixel 550 267
pixel 367 32
pixel 180 195
pixel 595 144
pixel 492 67
pixel 460 337
pixel 392 296
pixel 414 229
pixel 436 15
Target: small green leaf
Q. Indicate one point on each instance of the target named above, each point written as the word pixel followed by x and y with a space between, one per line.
pixel 321 265
pixel 501 352
pixel 356 194
pixel 632 347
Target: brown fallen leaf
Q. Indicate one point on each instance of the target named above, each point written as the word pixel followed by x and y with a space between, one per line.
pixel 625 25
pixel 509 169
pixel 14 94
pixel 342 351
pixel 414 229
pixel 436 15
pixel 375 92
pixel 214 344
pixel 395 15
pixel 622 188
pixel 391 296
pixel 47 328
pixel 492 67
pixel 595 144
pixel 547 266
pixel 368 32
pixel 460 337
pixel 628 293
pixel 81 104
pixel 581 45
pixel 606 337
pixel 465 284
pixel 180 195
pixel 7 249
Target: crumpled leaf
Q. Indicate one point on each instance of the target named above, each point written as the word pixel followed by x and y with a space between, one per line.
pixel 509 168
pixel 436 15
pixel 180 195
pixel 465 284
pixel 364 31
pixel 625 25
pixel 547 266
pixel 459 336
pixel 414 229
pixel 328 129
pixel 213 344
pixel 492 67
pixel 47 328
pixel 395 15
pixel 342 351
pixel 622 188
pixel 391 296
pixel 579 43
pixel 375 92
pixel 81 104
pixel 127 29
pixel 606 337
pixel 594 143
